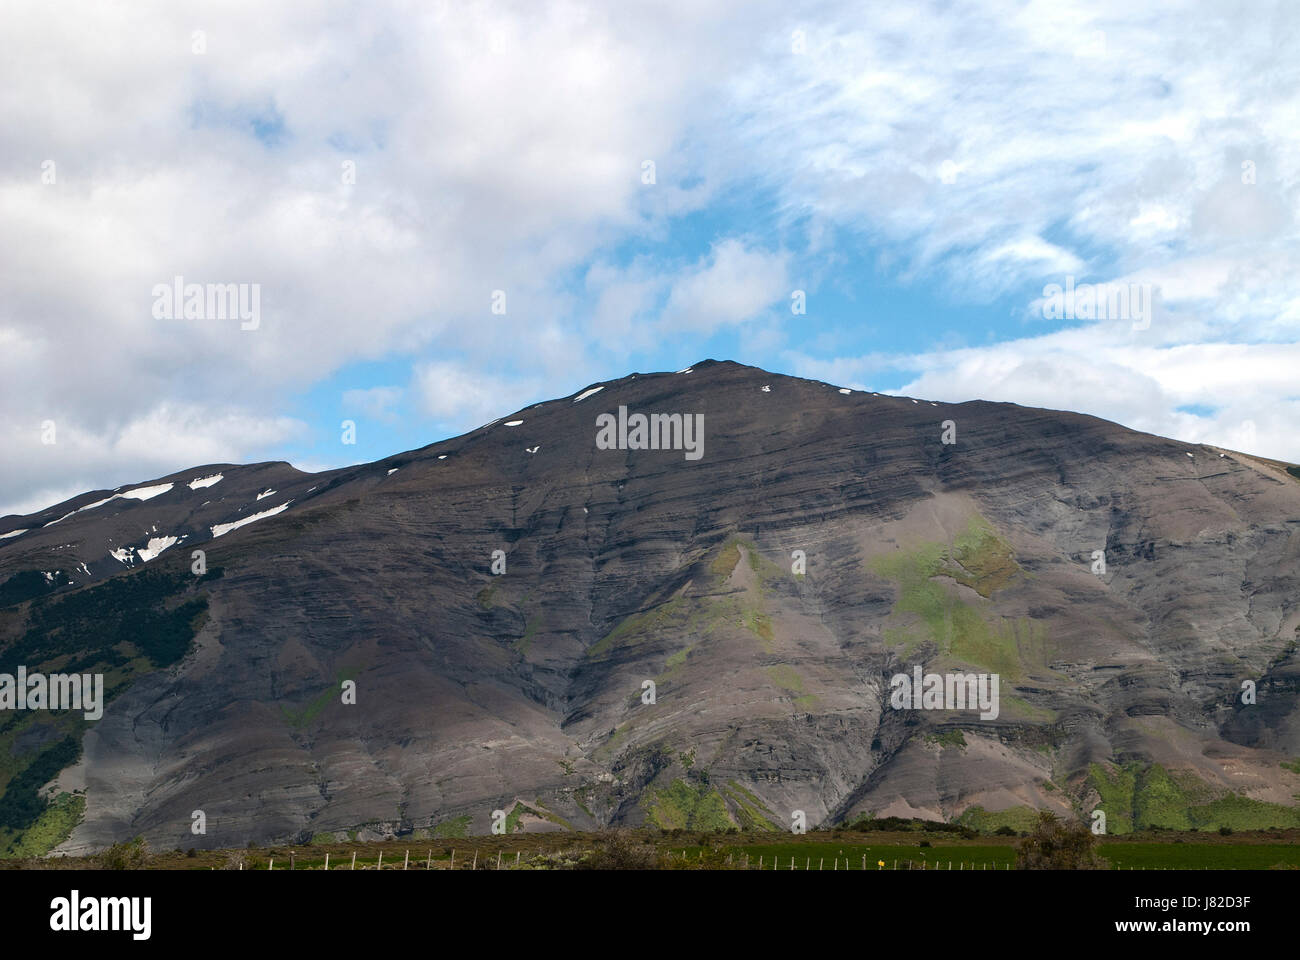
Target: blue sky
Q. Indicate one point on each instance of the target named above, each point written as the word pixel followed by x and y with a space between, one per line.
pixel 924 173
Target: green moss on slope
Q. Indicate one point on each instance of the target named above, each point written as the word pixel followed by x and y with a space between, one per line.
pixel 686 807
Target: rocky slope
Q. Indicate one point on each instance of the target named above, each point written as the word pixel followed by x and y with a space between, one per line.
pixel 823 542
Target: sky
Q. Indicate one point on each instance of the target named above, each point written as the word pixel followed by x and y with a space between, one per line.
pixel 451 210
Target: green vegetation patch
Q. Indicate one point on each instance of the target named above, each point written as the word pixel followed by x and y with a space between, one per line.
pixel 725 562
pixel 752 813
pixel 54 825
pixel 146 611
pixel 982 561
pixel 22 805
pixel 1019 819
pixel 639 627
pixel 300 718
pixel 1137 797
pixel 949 738
pixel 685 807
pixel 28 585
pixel 523 643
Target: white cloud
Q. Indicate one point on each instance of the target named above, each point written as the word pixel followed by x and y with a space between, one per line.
pixel 374 402
pixel 1251 389
pixel 501 147
pixel 463 398
pixel 734 283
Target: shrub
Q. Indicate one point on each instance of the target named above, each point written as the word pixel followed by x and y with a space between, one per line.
pixel 616 850
pixel 1053 845
pixel 125 856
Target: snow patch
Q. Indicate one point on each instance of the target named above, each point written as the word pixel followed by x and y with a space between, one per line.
pixel 155 546
pixel 533 449
pixel 586 393
pixel 60 520
pixel 205 481
pixel 513 423
pixel 767 389
pixel 267 493
pixel 845 390
pixel 223 528
pixel 147 493
pixel 391 472
pixel 13 533
pixel 443 457
pixel 122 553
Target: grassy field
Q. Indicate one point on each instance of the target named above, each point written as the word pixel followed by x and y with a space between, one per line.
pixel 1259 850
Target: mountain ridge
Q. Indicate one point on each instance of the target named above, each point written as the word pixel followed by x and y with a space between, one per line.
pixel 477 692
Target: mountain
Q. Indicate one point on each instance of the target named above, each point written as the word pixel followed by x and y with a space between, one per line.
pixel 824 541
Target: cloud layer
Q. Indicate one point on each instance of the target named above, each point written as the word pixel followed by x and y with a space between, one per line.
pixel 380 169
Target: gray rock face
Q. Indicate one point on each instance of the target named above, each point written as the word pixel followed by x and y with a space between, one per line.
pixel 523 691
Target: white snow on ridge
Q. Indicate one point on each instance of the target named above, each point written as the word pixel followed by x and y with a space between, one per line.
pixel 392 471
pixel 205 481
pixel 147 493
pixel 60 520
pixel 155 546
pixel 140 493
pixel 223 528
pixel 268 492
pixel 13 533
pixel 586 393
pixel 845 390
pixel 513 423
